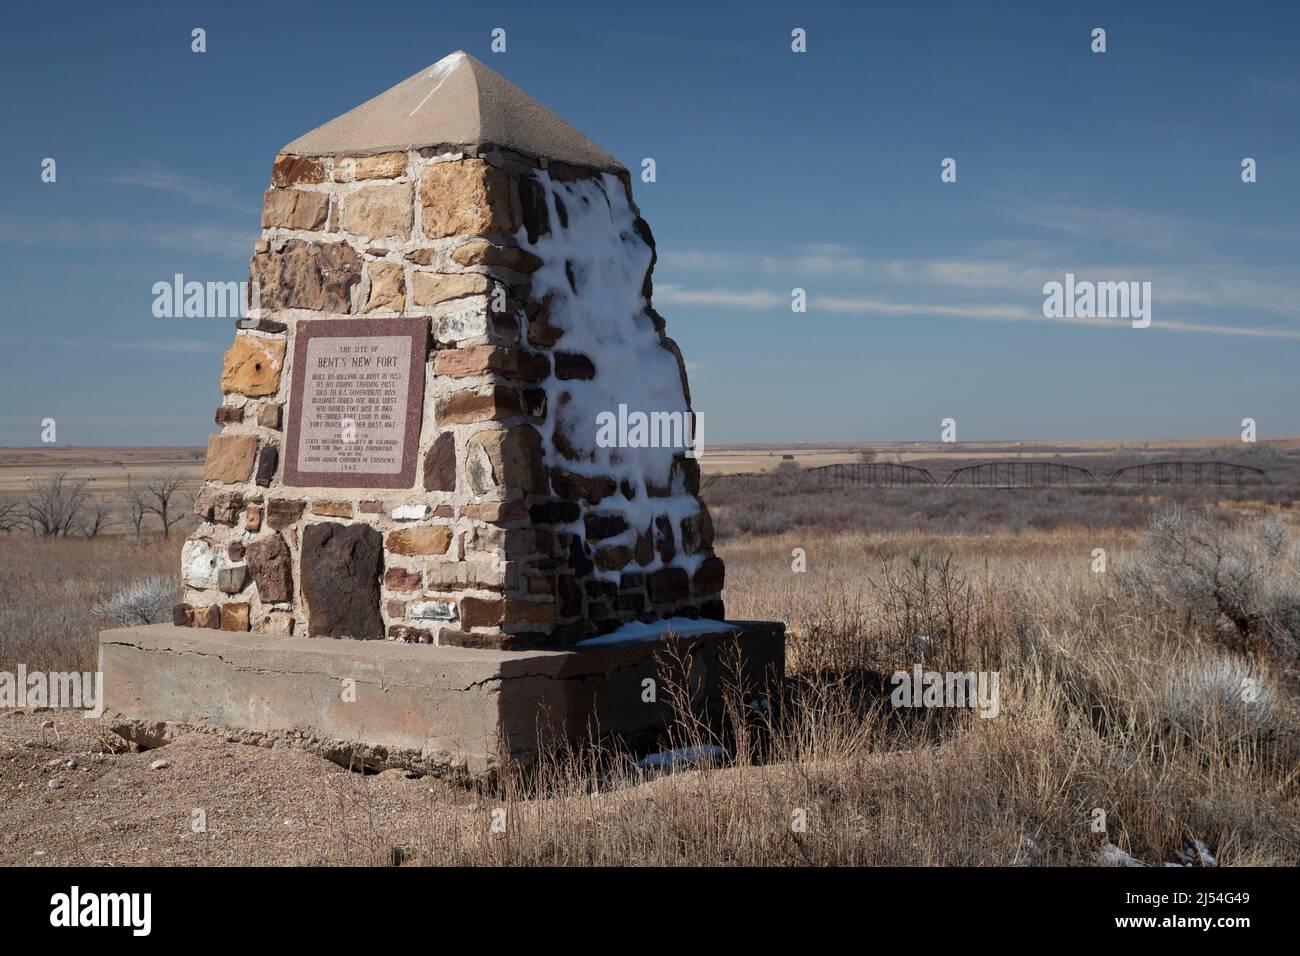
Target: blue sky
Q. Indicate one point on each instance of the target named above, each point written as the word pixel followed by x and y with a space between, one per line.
pixel 775 170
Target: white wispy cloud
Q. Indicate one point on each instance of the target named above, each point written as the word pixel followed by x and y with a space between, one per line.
pixel 157 177
pixel 99 232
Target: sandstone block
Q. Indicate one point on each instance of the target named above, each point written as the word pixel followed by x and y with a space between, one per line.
pixel 387 287
pixel 465 197
pixel 490 403
pixel 252 366
pixel 430 288
pixel 294 209
pixel 491 360
pixel 230 458
pixel 504 460
pixel 380 211
pixel 381 166
pixel 234 616
pixel 400 579
pixel 481 252
pixel 432 539
pixel 481 612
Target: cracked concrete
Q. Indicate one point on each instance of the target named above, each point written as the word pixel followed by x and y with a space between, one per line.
pixel 449 711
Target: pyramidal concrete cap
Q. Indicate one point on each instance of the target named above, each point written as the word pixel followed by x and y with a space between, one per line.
pixel 458 102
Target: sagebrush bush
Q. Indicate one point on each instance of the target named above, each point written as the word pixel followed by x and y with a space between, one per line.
pixel 144 602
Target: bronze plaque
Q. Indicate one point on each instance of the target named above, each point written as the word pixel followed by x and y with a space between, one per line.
pixel 357 403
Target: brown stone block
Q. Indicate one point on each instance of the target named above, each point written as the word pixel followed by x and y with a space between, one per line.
pixel 709 577
pixel 253 365
pixel 496 512
pixel 280 513
pixel 467 197
pixel 340 568
pixel 230 458
pixel 296 169
pixel 294 209
pixel 229 415
pixel 183 615
pixel 267 459
pixel 456 575
pixel 481 612
pixel 573 365
pixel 431 539
pixel 591 489
pixel 308 275
pixel 613 558
pixel 440 464
pixel 272 568
pixel 669 584
pixel 535 612
pixel 332 509
pixel 253 518
pixel 234 616
pixel 400 579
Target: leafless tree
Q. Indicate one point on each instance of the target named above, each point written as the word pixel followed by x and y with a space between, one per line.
pixel 97 516
pixel 165 497
pixel 135 505
pixel 12 514
pixel 54 505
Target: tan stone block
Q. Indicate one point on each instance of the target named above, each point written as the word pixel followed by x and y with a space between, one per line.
pixel 253 365
pixel 382 166
pixel 466 406
pixel 467 197
pixel 455 575
pixel 504 460
pixel 275 622
pixel 332 509
pixel 430 288
pixel 294 209
pixel 268 415
pixel 230 458
pixel 481 252
pixel 491 359
pixel 387 287
pixel 253 518
pixel 209 617
pixel 431 539
pixel 380 211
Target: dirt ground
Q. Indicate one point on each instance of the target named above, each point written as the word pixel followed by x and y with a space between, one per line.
pixel 261 806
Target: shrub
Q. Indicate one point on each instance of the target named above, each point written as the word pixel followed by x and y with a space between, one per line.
pixel 143 602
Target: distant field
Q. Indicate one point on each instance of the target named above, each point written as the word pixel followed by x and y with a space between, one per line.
pixel 108 468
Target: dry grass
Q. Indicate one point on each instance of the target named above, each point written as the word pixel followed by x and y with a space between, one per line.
pixel 1109 700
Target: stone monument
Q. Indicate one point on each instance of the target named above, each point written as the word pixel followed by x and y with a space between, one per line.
pixel 451 419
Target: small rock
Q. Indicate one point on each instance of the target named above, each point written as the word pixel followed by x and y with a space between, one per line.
pixel 159 764
pixel 56 783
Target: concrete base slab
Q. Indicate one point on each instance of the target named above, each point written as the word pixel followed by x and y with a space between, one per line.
pixel 449 711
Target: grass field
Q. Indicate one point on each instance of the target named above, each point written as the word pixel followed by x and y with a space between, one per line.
pixel 1158 696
